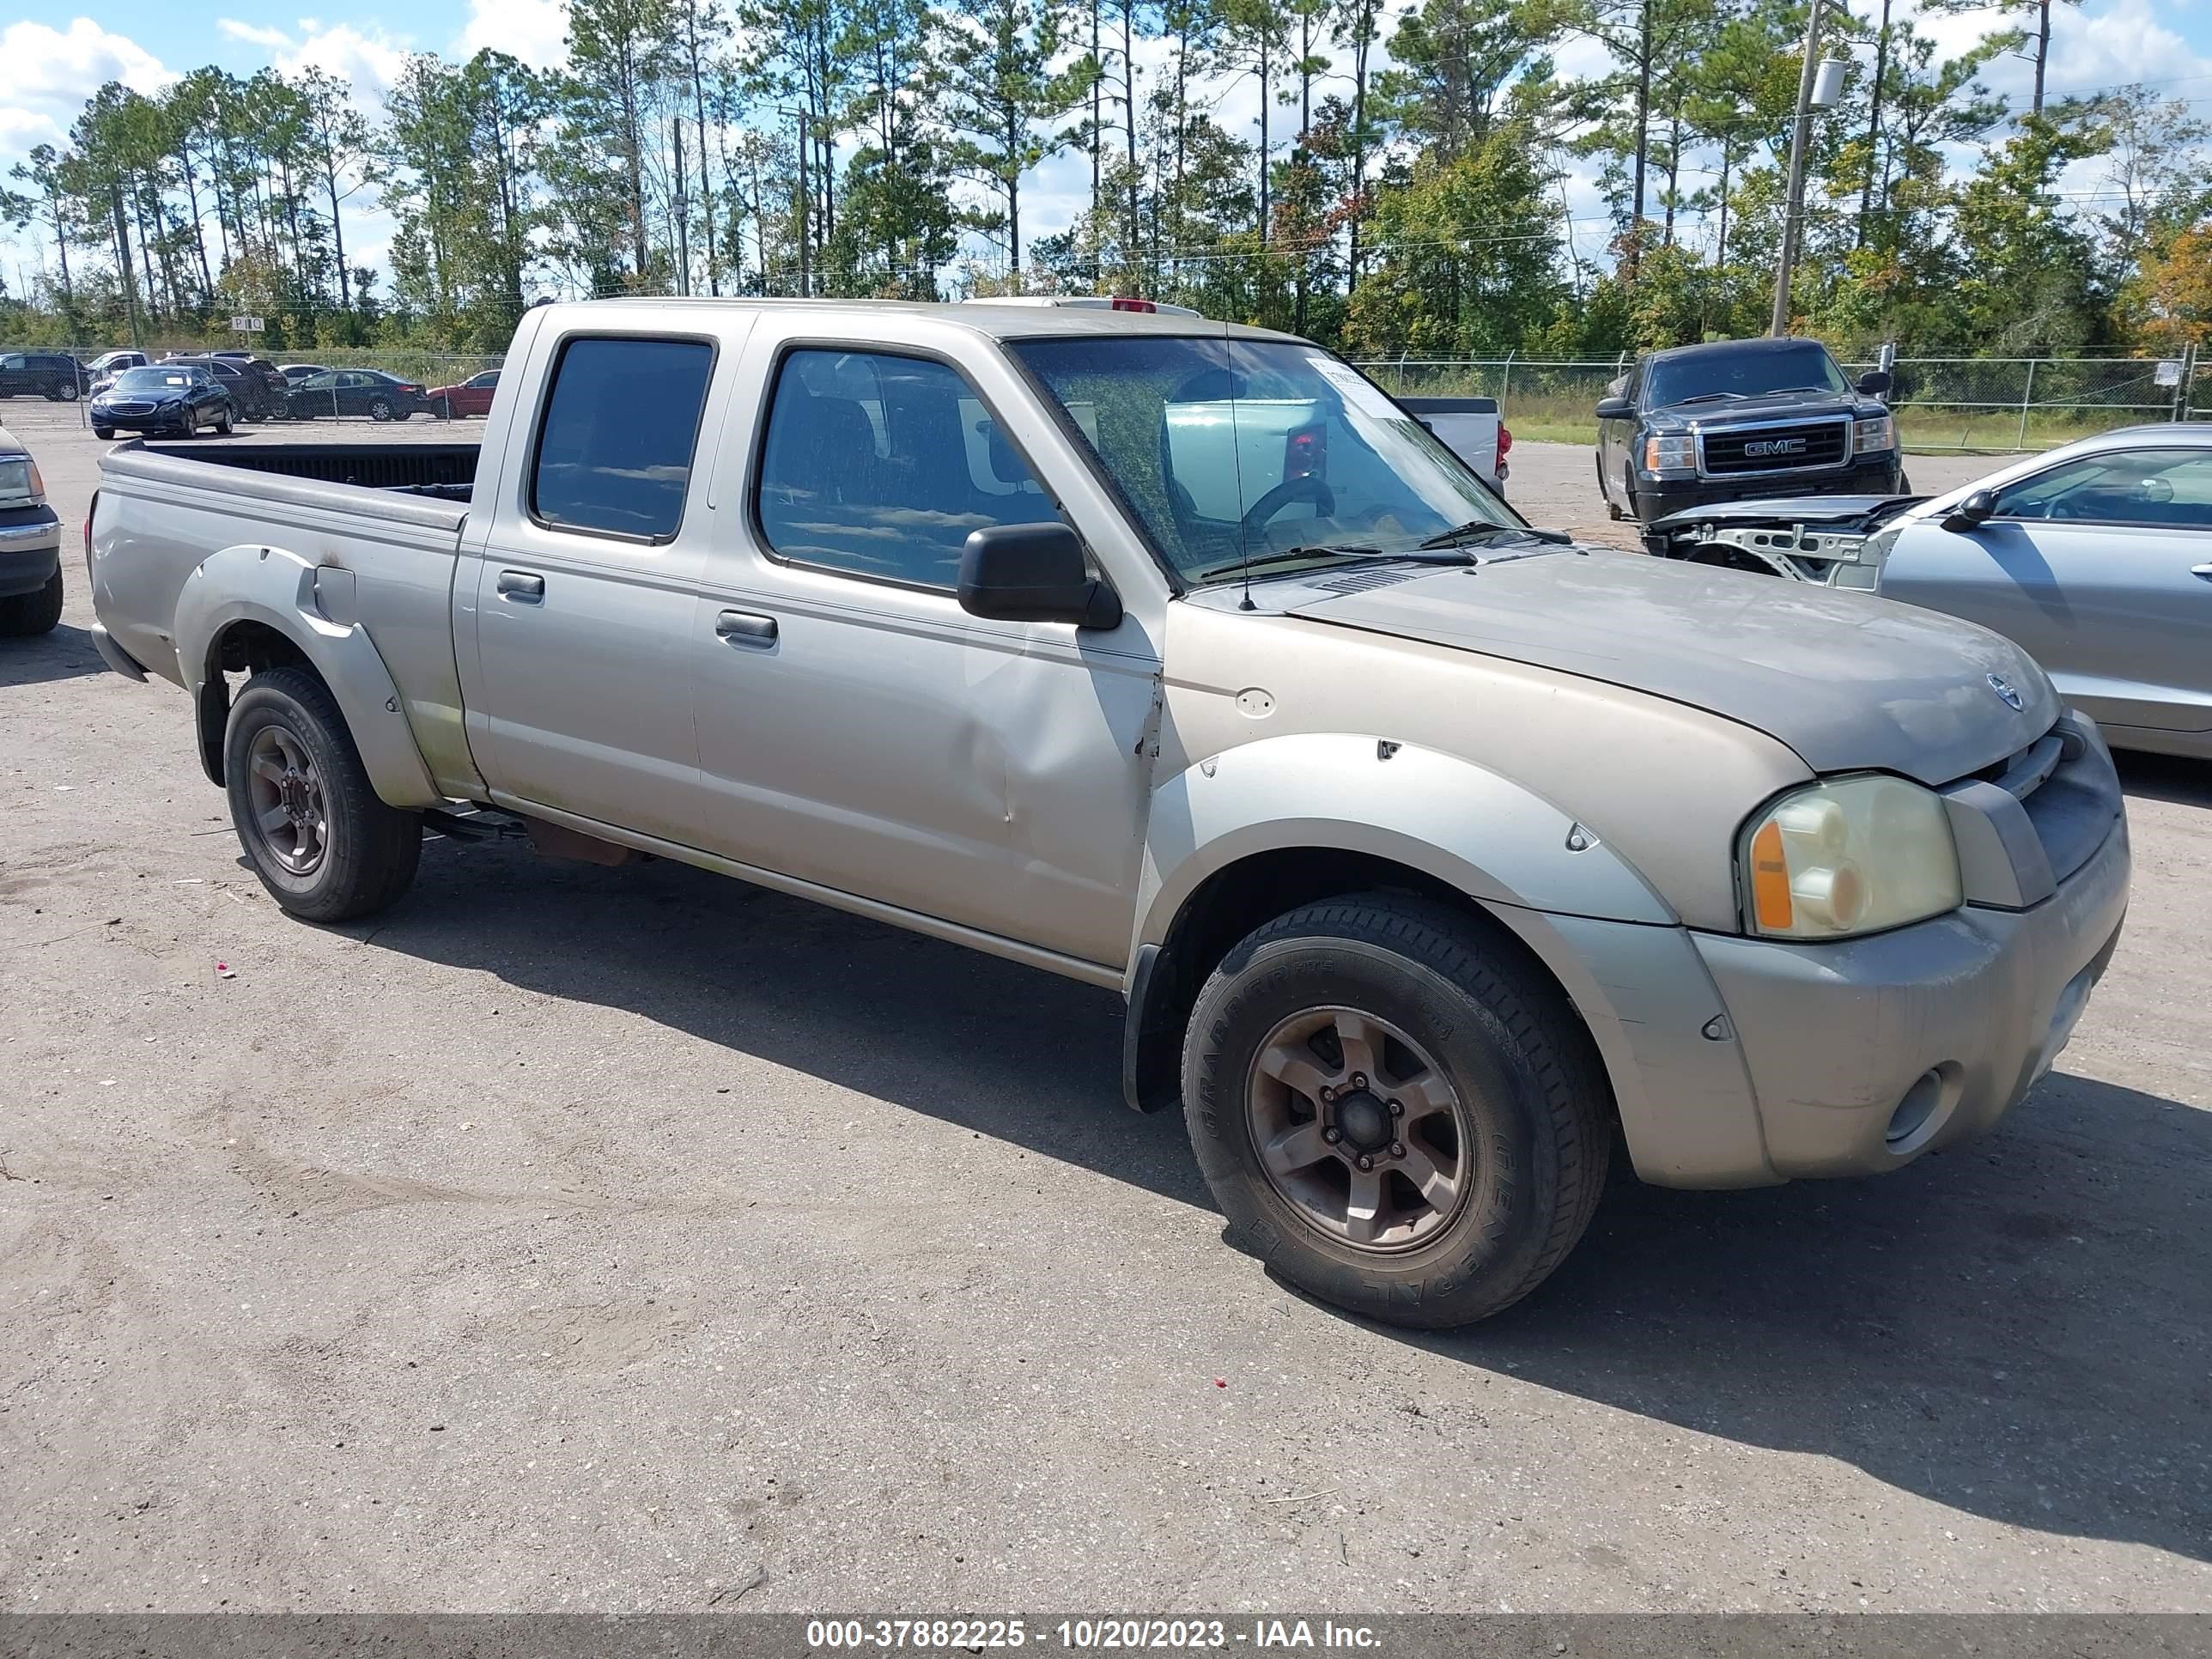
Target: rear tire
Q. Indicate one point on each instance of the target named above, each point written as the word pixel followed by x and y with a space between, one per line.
pixel 29 614
pixel 323 844
pixel 380 409
pixel 1467 1206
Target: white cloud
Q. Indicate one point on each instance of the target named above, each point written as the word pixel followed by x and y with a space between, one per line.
pixel 535 31
pixel 371 60
pixel 52 72
pixel 253 33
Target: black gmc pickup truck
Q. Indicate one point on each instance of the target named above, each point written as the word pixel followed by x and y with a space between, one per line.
pixel 1742 419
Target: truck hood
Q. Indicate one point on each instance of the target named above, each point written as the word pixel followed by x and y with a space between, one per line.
pixel 1849 681
pixel 1774 406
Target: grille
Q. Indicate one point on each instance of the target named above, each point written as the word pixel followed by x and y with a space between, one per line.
pixel 1775 448
pixel 2070 805
pixel 131 408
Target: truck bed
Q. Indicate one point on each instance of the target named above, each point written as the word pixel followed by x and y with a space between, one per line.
pixel 445 472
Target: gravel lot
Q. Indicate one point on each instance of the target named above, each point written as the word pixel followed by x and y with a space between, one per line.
pixel 635 1240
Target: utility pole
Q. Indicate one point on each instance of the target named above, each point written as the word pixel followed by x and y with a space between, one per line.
pixel 1801 136
pixel 805 200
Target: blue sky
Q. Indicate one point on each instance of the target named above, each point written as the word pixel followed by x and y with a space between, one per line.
pixel 55 53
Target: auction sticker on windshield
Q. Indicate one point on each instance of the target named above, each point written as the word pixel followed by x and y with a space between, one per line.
pixel 1358 391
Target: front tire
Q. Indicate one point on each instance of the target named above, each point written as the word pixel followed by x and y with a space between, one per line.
pixel 66 391
pixel 323 844
pixel 29 614
pixel 1386 1030
pixel 104 433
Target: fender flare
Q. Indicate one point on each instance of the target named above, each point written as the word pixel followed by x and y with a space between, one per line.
pixel 1486 836
pixel 1511 851
pixel 280 589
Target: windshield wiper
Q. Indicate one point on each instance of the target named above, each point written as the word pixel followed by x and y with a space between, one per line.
pixel 1707 398
pixel 1285 555
pixel 1487 530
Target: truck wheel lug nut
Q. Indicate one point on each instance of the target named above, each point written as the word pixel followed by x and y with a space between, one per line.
pixel 1328 1092
pixel 1332 1135
pixel 1397 1149
pixel 1397 1108
pixel 1366 1161
pixel 1359 1079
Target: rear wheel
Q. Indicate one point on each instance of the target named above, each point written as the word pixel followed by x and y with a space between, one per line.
pixel 224 421
pixel 1394 1111
pixel 33 613
pixel 325 847
pixel 380 409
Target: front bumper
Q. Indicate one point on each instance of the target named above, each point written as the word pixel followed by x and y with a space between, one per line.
pixel 1880 474
pixel 30 550
pixel 1739 1061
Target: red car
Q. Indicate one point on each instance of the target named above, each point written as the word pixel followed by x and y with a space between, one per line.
pixel 472 397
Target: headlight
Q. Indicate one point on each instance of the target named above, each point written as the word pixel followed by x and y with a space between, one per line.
pixel 1672 454
pixel 1873 433
pixel 1850 856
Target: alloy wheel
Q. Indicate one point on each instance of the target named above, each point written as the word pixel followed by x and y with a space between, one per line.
pixel 1358 1129
pixel 286 791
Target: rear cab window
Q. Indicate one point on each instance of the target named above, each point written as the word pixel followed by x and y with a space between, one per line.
pixel 617 437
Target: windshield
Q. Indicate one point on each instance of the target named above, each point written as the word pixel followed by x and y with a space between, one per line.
pixel 158 380
pixel 1804 366
pixel 1233 449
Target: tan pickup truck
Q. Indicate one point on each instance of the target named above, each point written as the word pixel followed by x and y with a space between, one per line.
pixel 1436 855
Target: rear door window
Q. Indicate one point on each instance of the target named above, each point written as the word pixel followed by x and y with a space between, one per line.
pixel 616 444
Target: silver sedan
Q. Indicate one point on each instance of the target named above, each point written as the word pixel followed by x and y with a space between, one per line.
pixel 2097 558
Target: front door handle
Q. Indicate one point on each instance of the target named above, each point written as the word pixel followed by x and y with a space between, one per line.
pixel 2203 570
pixel 521 587
pixel 745 628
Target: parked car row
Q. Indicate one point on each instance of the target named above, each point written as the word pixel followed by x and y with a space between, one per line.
pixel 257 389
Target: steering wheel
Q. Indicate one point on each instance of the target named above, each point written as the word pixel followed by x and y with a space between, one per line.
pixel 1303 487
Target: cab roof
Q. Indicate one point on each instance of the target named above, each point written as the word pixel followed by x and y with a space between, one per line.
pixel 992 321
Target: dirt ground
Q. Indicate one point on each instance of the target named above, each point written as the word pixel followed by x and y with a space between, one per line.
pixel 571 1238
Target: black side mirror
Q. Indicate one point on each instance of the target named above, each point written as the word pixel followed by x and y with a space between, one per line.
pixel 1874 382
pixel 1976 509
pixel 1033 572
pixel 1615 408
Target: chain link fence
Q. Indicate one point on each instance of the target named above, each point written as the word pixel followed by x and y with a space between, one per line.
pixel 1996 406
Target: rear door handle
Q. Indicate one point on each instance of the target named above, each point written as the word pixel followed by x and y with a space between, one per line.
pixel 2203 570
pixel 521 587
pixel 745 628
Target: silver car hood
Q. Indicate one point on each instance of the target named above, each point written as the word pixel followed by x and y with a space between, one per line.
pixel 1847 680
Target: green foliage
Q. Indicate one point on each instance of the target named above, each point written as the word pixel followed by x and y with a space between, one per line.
pixel 1402 192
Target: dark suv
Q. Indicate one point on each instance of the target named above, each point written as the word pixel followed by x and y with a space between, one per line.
pixel 42 373
pixel 1743 418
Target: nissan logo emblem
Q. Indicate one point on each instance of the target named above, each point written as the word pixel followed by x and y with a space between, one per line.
pixel 2003 687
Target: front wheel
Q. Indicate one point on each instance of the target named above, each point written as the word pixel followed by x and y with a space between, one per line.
pixel 1395 1112
pixel 29 614
pixel 325 847
pixel 66 392
pixel 104 433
